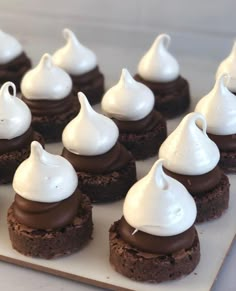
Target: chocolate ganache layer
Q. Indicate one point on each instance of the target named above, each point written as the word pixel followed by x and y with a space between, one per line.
pixel 155 244
pixel 41 215
pixel 143 125
pixel 116 158
pixel 45 107
pixel 199 183
pixel 226 143
pixel 19 142
pixel 15 69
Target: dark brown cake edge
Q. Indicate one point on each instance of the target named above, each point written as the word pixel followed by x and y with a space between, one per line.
pixel 145 145
pixel 213 203
pixel 11 160
pixel 147 267
pixel 108 187
pixel 50 244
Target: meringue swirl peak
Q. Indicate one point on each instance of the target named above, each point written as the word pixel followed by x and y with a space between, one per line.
pixel 128 100
pixel 164 206
pixel 89 133
pixel 188 150
pixel 44 177
pixel 219 108
pixel 158 65
pixel 15 116
pixel 74 58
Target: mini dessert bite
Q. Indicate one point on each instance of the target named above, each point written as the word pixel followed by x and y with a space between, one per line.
pixel 47 90
pixel 49 217
pixel 191 157
pixel 161 242
pixel 130 105
pixel 106 170
pixel 16 132
pixel 159 70
pixel 228 66
pixel 219 110
pixel 14 63
pixel 81 63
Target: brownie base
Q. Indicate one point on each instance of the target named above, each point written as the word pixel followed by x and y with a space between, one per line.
pixel 228 162
pixel 213 203
pixel 49 244
pixel 171 98
pixel 145 145
pixel 91 84
pixel 148 267
pixel 108 187
pixel 11 160
pixel 52 126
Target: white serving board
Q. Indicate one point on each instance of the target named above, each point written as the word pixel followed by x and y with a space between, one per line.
pixel 91 265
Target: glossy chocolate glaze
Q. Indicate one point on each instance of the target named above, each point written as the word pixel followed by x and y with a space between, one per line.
pixel 199 183
pixel 41 215
pixel 225 143
pixel 143 125
pixel 155 244
pixel 50 107
pixel 19 142
pixel 115 159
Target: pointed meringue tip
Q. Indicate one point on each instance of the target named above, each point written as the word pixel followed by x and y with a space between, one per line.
pixel 84 103
pixel 126 77
pixel 159 175
pixel 46 60
pixel 163 39
pixel 195 119
pixel 5 88
pixel 36 150
pixel 136 230
pixel 70 36
pixel 223 78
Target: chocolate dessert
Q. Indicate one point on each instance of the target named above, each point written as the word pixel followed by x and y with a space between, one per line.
pixel 49 217
pixel 81 64
pixel 47 90
pixel 105 169
pixel 161 243
pixel 192 158
pixel 159 71
pixel 14 62
pixel 130 105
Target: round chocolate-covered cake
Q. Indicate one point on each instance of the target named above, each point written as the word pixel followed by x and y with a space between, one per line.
pixel 106 170
pixel 161 243
pixel 130 105
pixel 81 64
pixel 49 217
pixel 159 71
pixel 14 62
pixel 219 109
pixel 16 133
pixel 192 159
pixel 47 90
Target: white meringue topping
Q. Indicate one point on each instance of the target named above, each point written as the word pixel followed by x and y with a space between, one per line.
pixel 46 81
pixel 188 150
pixel 158 64
pixel 128 99
pixel 159 205
pixel 74 58
pixel 228 66
pixel 89 133
pixel 15 116
pixel 219 108
pixel 10 48
pixel 44 177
